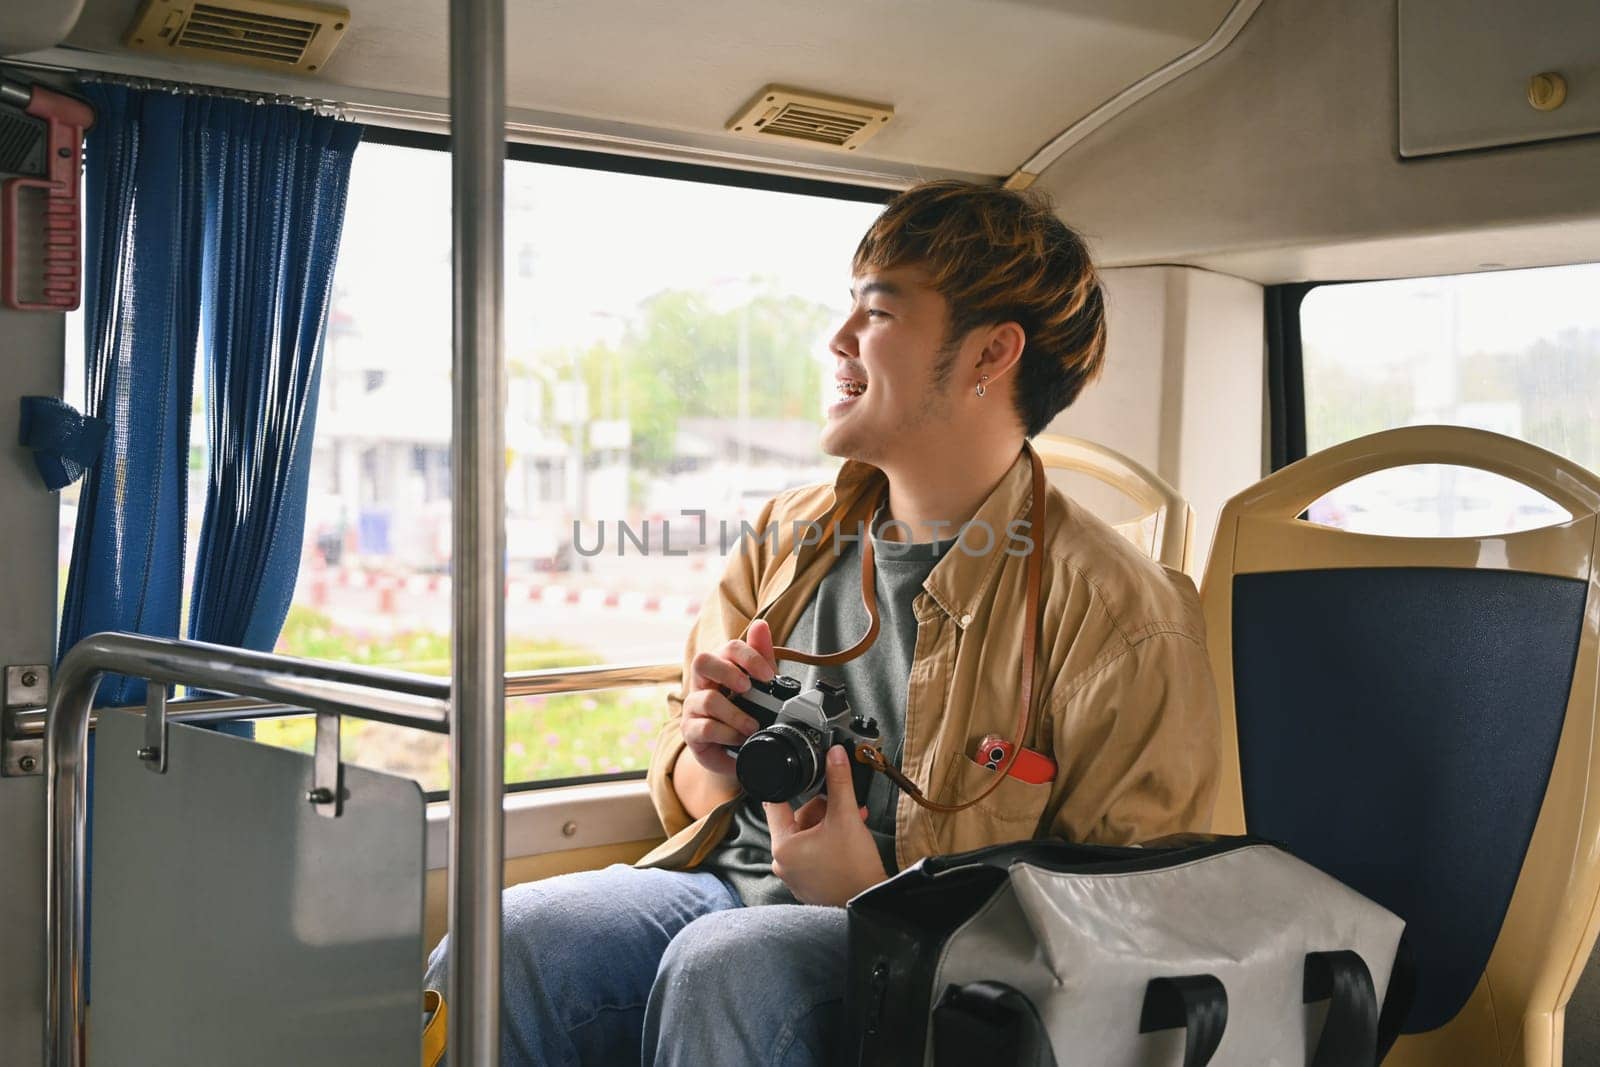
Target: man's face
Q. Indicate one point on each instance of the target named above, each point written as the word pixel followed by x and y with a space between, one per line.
pixel 892 366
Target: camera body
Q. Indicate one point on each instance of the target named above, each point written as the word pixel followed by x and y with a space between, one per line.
pixel 785 759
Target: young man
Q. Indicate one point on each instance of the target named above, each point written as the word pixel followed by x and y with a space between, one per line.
pixel 976 318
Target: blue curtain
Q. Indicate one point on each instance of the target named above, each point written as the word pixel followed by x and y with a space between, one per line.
pixel 212 225
pixel 142 313
pixel 274 181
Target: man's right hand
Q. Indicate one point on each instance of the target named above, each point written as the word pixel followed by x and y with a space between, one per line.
pixel 711 723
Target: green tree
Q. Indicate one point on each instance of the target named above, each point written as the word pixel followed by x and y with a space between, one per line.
pixel 680 359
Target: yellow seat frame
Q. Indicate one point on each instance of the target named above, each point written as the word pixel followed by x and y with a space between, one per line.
pixel 1515 1016
pixel 1170 537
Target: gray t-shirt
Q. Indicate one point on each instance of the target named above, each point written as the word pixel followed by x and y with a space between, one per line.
pixel 875 683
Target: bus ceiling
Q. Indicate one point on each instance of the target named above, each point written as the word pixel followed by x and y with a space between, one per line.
pixel 1274 140
pixel 678 75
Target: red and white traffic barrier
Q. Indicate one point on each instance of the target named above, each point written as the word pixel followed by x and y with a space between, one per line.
pixel 390 586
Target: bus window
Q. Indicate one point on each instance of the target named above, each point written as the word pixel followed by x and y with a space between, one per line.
pixel 1514 352
pixel 666 358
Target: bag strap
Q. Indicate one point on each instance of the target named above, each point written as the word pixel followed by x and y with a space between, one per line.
pixel 1401 995
pixel 433 1034
pixel 1350 1034
pixel 1196 1002
pixel 989 1022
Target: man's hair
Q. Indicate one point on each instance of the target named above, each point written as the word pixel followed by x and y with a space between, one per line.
pixel 996 256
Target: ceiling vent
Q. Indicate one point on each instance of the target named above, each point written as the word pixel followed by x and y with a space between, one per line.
pixel 810 118
pixel 260 33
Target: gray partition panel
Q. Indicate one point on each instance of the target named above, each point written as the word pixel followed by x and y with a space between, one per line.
pixel 232 924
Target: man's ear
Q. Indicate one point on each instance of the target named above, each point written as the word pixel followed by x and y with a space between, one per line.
pixel 1001 352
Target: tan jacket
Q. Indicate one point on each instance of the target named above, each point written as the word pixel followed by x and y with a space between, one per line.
pixel 1126 705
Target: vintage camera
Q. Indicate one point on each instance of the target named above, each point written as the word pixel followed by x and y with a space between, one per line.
pixel 785 759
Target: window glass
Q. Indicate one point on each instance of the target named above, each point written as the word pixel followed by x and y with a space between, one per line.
pixel 666 354
pixel 1513 352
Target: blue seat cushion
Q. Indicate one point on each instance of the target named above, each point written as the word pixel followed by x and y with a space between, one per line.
pixel 1396 729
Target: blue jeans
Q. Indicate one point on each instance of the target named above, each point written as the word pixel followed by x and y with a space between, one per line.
pixel 665 969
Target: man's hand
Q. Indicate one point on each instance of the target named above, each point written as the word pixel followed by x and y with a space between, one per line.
pixel 824 852
pixel 710 722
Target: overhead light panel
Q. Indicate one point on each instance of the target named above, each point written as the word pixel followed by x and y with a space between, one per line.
pixel 815 119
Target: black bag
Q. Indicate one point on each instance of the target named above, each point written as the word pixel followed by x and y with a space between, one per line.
pixel 1046 952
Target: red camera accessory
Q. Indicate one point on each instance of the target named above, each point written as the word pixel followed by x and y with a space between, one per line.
pixel 33 118
pixel 1029 766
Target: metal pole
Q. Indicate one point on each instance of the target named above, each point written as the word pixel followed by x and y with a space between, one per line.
pixel 477 758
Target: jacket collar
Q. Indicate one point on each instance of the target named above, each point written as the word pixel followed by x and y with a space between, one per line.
pixel 960 580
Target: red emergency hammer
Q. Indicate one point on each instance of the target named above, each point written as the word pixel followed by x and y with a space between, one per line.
pixel 64 118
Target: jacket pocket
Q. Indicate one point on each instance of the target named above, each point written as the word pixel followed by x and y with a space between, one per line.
pixel 1010 813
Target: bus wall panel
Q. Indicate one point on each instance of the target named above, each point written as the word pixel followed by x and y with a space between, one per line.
pixel 30 363
pixel 1183 386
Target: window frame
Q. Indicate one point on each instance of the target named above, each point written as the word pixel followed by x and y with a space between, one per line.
pixel 1286 384
pixel 643 166
pixel 1285 353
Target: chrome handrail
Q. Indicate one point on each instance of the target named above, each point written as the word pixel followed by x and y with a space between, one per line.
pixel 365 692
pixel 552 681
pixel 266 685
pixel 478 526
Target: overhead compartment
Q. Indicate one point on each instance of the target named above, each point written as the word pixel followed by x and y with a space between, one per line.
pixel 1485 73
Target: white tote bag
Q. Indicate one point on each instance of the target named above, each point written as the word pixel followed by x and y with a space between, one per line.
pixel 1224 951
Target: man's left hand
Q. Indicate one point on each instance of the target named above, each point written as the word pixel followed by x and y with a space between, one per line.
pixel 824 852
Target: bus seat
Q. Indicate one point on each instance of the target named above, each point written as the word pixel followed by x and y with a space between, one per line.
pixel 1165 529
pixel 1418 717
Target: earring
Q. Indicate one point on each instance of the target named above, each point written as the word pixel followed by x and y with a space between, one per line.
pixel 981 390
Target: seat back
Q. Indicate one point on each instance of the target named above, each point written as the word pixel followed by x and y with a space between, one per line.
pixel 1418 717
pixel 1165 528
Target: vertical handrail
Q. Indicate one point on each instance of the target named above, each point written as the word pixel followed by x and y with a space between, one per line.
pixel 477 777
pixel 66 806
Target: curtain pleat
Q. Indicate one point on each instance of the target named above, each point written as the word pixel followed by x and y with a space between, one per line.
pixel 275 180
pixel 142 313
pixel 212 225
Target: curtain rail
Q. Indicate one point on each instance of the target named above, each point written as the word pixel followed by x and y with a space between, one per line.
pixel 331 108
pixel 549 682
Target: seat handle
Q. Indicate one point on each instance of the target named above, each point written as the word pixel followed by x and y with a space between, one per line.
pixel 1288 492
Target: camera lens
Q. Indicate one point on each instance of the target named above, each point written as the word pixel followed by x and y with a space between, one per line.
pixel 775 764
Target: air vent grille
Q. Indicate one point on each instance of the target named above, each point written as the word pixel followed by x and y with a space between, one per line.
pixel 245 34
pixel 816 124
pixel 812 118
pixel 262 33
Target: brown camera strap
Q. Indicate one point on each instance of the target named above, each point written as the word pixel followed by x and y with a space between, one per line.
pixel 869 600
pixel 872 755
